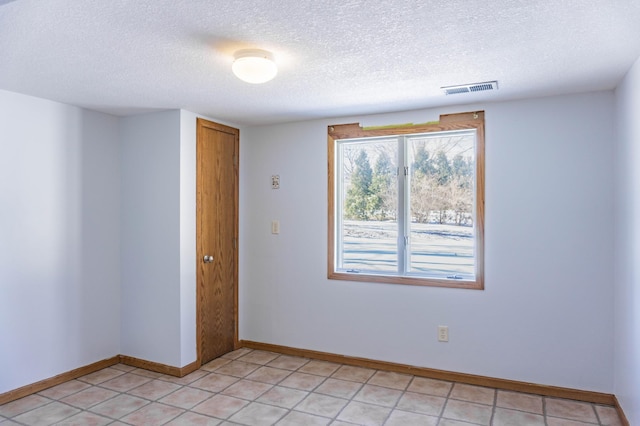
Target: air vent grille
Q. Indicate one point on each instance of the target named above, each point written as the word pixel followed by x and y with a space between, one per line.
pixel 473 87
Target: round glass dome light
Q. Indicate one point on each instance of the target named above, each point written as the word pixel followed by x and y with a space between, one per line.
pixel 254 66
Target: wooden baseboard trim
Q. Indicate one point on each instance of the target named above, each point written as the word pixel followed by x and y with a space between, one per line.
pixel 512 385
pixel 159 368
pixel 623 417
pixel 56 380
pixel 189 368
pixel 87 369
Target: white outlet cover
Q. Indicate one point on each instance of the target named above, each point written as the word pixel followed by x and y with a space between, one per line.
pixel 443 333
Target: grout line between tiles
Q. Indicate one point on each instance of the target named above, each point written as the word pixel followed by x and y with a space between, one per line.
pixel 495 404
pixel 446 402
pixel 593 406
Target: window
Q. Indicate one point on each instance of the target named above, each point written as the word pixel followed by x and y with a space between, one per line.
pixel 406 203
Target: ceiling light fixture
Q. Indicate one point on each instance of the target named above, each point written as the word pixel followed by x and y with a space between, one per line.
pixel 254 66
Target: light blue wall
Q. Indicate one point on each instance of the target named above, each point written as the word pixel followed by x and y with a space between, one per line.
pixel 546 315
pixel 627 248
pixel 150 236
pixel 59 238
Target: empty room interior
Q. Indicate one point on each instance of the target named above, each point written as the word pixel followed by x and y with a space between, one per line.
pixel 106 110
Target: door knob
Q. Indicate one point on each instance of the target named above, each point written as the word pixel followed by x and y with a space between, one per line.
pixel 208 259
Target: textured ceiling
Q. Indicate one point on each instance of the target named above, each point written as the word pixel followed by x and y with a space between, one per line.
pixel 335 57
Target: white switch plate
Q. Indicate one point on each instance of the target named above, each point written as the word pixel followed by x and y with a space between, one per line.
pixel 275 181
pixel 275 227
pixel 443 333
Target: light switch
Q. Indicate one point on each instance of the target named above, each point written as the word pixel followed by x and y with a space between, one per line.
pixel 275 226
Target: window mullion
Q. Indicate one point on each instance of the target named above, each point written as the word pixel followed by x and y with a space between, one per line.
pixel 402 202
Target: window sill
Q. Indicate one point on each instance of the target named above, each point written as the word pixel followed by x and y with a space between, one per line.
pixel 388 279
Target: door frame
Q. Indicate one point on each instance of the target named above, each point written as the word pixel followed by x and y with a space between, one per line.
pixel 201 124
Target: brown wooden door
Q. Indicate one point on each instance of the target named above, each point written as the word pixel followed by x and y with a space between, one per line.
pixel 217 234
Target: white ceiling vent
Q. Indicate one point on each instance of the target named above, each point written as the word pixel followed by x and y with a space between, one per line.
pixel 473 87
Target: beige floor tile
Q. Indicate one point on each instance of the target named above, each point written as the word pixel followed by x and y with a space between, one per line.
pixel 89 397
pixel 608 415
pixel 554 421
pixel 296 418
pixel 378 395
pixel 470 393
pixel 154 389
pixel 185 380
pixel 283 397
pixel 23 405
pixel 321 405
pixel 102 375
pixel 47 414
pixel 259 357
pixel 405 418
pixel 572 410
pixel 287 362
pixel 237 353
pixel 153 414
pixel 257 414
pixel 364 414
pixel 468 412
pixel 505 417
pixel 193 419
pixel 216 363
pixel 302 381
pixel 125 382
pixel 390 379
pixel 288 390
pixel 220 406
pixel 64 389
pixel 354 374
pixel 247 389
pixel 430 386
pixel 119 406
pixel 319 368
pixel 339 388
pixel 268 375
pixel 237 369
pixel 123 367
pixel 186 397
pixel 214 382
pixel 449 422
pixel 520 401
pixel 148 373
pixel 421 403
pixel 85 418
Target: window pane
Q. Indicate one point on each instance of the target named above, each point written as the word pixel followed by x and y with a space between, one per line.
pixel 368 233
pixel 441 193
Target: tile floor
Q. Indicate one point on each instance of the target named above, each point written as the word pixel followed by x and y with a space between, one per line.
pixel 250 387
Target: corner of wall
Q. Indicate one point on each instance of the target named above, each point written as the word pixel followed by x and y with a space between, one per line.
pixel 627 245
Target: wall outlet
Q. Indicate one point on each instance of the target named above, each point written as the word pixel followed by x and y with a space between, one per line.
pixel 275 182
pixel 443 333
